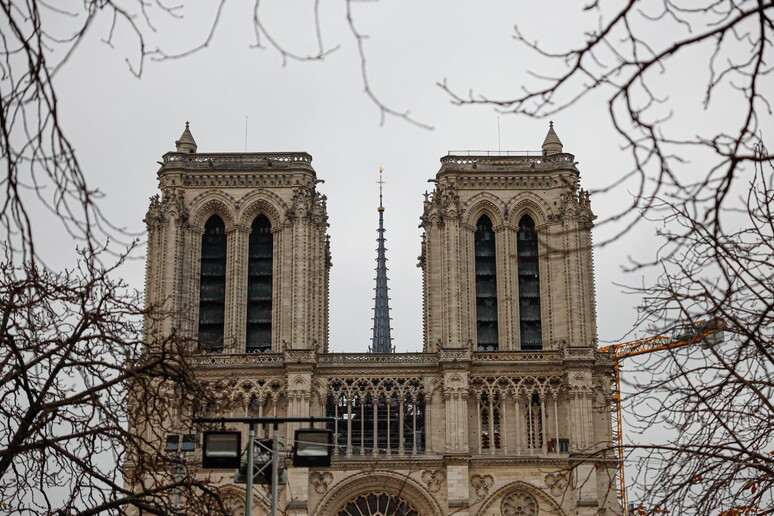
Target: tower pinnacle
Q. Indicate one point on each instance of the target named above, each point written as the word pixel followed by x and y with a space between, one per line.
pixel 186 143
pixel 381 341
pixel 552 144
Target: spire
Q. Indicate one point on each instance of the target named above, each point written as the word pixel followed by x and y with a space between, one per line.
pixel 186 143
pixel 552 144
pixel 381 341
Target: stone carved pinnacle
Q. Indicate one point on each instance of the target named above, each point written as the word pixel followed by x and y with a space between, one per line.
pixel 552 144
pixel 186 143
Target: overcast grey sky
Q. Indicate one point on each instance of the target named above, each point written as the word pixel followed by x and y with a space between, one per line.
pixel 122 125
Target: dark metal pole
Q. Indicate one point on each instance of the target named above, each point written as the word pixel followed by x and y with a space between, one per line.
pixel 274 469
pixel 250 472
pixel 253 422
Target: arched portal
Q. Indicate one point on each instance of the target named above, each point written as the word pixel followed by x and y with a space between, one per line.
pixel 380 493
pixel 378 504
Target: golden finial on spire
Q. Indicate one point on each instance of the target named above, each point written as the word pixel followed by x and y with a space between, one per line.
pixel 380 183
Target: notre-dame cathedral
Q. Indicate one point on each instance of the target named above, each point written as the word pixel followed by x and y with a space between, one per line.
pixel 505 411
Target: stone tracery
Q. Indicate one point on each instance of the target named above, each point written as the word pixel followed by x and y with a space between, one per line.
pixel 519 503
pixel 383 415
pixel 523 407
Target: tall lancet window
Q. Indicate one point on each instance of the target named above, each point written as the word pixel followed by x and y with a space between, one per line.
pixel 212 286
pixel 529 285
pixel 486 286
pixel 259 286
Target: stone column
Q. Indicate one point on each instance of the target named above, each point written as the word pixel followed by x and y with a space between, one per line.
pixel 236 288
pixel 433 286
pixel 456 401
pixel 454 276
pixel 280 315
pixel 507 286
pixel 169 272
pixel 299 395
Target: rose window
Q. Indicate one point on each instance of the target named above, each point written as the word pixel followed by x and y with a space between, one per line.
pixel 379 504
pixel 519 504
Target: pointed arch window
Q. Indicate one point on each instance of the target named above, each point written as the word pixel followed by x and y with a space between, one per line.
pixel 212 286
pixel 259 286
pixel 486 286
pixel 489 416
pixel 534 421
pixel 529 285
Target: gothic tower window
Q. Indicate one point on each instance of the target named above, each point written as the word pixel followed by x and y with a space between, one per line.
pixel 486 286
pixel 212 286
pixel 259 286
pixel 529 285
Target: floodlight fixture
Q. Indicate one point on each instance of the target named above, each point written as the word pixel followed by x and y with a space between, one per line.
pixel 313 448
pixel 221 449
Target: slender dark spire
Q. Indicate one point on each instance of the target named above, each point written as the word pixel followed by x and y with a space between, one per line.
pixel 381 341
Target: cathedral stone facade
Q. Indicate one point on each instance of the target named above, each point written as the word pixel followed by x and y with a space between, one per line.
pixel 506 410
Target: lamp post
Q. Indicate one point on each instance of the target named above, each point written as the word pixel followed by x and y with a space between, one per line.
pixel 222 449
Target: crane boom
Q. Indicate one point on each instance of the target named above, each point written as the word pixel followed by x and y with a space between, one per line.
pixel 688 334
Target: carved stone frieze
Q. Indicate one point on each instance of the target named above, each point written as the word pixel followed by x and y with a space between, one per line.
pixel 160 209
pixel 575 204
pixel 155 213
pixel 455 383
pixel 569 207
pixel 387 386
pixel 517 356
pixel 454 354
pixel 481 484
pixel 556 483
pixel 516 385
pixel 249 393
pixel 378 358
pixel 236 360
pixel 444 204
pixel 320 481
pixel 511 182
pixel 308 204
pixel 298 355
pixel 580 379
pixel 517 162
pixel 433 479
pixel 585 214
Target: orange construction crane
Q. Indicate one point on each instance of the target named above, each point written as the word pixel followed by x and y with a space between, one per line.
pixel 687 334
